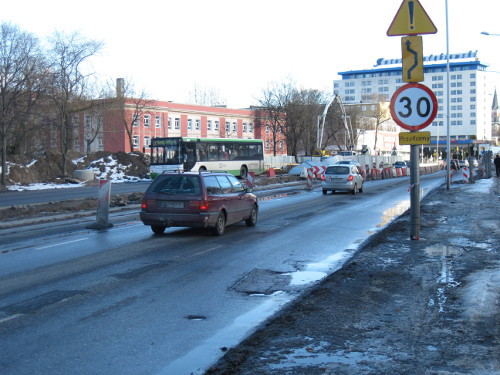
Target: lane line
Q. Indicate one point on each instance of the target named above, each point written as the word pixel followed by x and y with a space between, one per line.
pixel 60 243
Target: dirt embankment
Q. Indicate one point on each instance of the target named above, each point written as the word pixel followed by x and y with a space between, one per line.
pixel 48 167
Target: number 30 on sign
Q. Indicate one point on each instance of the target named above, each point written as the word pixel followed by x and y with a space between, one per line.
pixel 413 106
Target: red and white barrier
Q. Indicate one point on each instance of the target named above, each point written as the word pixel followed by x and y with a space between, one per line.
pixel 250 180
pixel 465 175
pixel 310 174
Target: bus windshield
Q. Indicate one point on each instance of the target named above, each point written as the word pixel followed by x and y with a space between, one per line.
pixel 166 151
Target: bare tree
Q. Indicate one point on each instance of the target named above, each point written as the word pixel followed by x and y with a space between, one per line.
pixel 69 86
pixel 21 63
pixel 129 100
pixel 207 96
pixel 301 114
pixel 272 109
pixel 380 114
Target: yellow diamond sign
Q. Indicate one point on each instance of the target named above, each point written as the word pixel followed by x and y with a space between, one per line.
pixel 411 19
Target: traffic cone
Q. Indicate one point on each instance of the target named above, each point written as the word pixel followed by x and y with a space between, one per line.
pixel 271 172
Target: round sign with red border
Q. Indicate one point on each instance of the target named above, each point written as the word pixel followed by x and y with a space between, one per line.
pixel 413 106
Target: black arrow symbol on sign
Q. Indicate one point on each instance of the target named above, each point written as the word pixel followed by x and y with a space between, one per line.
pixel 415 58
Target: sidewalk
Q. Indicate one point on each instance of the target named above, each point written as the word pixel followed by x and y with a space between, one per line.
pixel 398 306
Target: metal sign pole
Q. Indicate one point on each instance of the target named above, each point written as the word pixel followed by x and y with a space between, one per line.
pixel 414 193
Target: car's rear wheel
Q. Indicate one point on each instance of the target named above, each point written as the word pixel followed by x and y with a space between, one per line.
pixel 220 225
pixel 361 188
pixel 355 189
pixel 158 229
pixel 325 191
pixel 202 169
pixel 252 219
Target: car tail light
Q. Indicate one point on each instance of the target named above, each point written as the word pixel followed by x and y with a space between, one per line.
pixel 199 205
pixel 350 178
pixel 323 177
pixel 148 203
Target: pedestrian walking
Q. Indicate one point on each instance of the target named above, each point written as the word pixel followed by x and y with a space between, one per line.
pixel 497 164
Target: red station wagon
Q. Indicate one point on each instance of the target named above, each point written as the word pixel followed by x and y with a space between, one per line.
pixel 199 200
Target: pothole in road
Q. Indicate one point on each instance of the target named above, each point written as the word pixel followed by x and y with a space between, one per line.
pixel 260 281
pixel 196 317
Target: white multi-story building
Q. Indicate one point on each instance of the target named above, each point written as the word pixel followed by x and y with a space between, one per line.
pixel 471 94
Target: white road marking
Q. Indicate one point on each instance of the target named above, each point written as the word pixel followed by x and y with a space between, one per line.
pixel 60 243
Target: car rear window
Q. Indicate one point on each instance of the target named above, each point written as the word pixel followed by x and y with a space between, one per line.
pixel 177 184
pixel 337 170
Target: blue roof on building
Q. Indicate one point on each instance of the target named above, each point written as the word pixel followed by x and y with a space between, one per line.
pixel 431 61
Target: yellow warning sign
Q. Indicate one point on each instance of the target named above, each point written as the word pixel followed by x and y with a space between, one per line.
pixel 413 62
pixel 411 19
pixel 415 138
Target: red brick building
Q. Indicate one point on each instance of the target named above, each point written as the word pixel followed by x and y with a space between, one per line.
pixel 150 118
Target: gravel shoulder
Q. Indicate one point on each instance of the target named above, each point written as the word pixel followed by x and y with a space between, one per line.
pixel 398 306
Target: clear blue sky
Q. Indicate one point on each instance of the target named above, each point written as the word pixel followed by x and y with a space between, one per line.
pixel 239 47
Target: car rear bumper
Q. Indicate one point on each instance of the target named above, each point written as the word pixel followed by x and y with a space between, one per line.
pixel 338 185
pixel 203 220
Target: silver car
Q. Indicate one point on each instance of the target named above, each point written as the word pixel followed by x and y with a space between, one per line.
pixel 342 178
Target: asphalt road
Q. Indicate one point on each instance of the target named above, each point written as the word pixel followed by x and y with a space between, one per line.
pixel 130 302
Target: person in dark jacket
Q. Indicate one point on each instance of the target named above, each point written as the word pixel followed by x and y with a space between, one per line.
pixel 497 164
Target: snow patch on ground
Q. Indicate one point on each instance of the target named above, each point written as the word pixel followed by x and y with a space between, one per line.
pixel 480 186
pixel 482 293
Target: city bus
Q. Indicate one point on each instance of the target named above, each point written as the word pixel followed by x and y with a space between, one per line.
pixel 235 156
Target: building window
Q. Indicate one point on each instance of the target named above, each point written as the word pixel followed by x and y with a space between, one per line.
pixel 228 125
pixel 170 122
pixel 177 123
pixel 146 121
pixel 197 124
pixel 209 125
pixel 245 127
pixel 147 141
pixel 216 125
pixel 235 127
pixel 135 121
pixel 157 121
pixel 135 141
pixel 250 128
pixel 473 114
pixel 268 129
pixel 190 124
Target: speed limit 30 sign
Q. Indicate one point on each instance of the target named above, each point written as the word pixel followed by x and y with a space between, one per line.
pixel 413 106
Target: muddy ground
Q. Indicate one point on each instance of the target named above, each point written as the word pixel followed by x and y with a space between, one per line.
pixel 398 306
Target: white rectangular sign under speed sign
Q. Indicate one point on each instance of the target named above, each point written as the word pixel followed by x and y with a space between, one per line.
pixel 413 106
